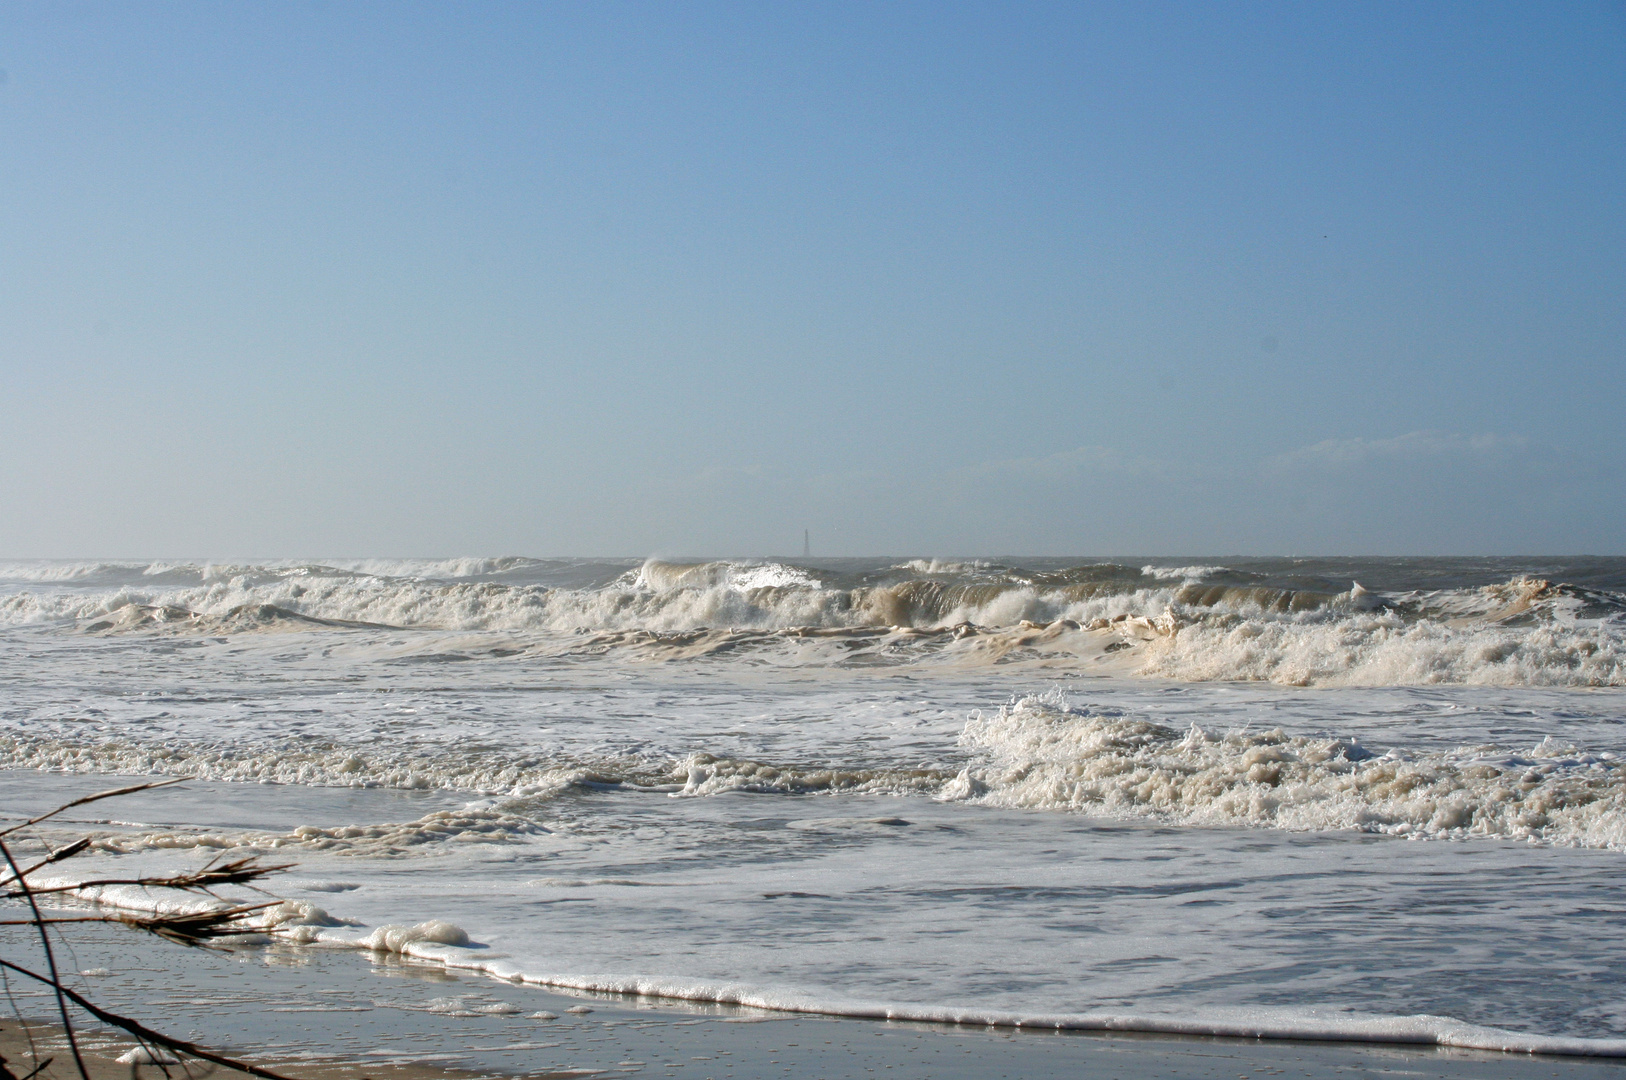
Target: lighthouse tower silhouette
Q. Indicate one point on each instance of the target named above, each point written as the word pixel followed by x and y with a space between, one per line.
pixel 807 548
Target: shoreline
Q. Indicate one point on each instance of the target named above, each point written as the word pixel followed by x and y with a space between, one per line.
pixel 319 1014
pixel 424 945
pixel 829 1048
pixel 430 945
pixel 103 1049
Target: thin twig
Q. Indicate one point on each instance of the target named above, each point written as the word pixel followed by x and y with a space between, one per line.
pixel 35 1071
pixel 59 854
pixel 237 872
pixel 141 1031
pixel 108 794
pixel 28 1032
pixel 193 929
pixel 50 960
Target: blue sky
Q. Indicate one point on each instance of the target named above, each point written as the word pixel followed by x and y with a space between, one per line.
pixel 312 278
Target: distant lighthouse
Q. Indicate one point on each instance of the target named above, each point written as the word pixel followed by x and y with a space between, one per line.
pixel 807 547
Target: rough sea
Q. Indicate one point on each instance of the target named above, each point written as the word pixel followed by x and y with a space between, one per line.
pixel 1330 798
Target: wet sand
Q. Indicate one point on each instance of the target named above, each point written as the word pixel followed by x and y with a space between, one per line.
pixel 24 1043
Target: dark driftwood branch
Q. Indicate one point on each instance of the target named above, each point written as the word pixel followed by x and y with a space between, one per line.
pixel 36 1070
pixel 195 928
pixel 192 928
pixel 213 876
pixel 143 1032
pixel 50 962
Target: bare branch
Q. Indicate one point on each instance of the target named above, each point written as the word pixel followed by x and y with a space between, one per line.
pixel 50 961
pixel 53 922
pixel 141 1031
pixel 190 929
pixel 108 794
pixel 37 1069
pixel 197 928
pixel 237 872
pixel 59 854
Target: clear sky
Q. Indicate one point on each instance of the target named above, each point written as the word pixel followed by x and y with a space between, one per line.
pixel 938 278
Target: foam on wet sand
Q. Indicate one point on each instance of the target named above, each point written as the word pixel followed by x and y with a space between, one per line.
pixel 324 1016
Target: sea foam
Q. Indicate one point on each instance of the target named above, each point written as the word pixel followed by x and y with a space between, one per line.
pixel 1522 632
pixel 1039 753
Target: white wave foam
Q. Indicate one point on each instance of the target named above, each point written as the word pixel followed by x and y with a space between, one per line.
pixel 1307 1024
pixel 441 942
pixel 945 566
pixel 489 824
pixel 703 774
pixel 1385 649
pixel 741 577
pixel 1520 633
pixel 158 900
pixel 53 571
pixel 69 571
pixel 1041 754
pixel 661 599
pixel 413 769
pixel 467 567
pixel 395 938
pixel 516 790
pixel 1181 573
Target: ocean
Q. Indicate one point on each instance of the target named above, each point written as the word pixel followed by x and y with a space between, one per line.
pixel 1365 799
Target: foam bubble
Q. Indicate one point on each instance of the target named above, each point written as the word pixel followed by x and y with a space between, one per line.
pixel 397 939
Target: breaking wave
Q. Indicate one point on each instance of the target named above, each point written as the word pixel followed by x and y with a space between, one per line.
pixel 1187 622
pixel 1038 753
pixel 429 768
pixel 420 767
pixel 1042 754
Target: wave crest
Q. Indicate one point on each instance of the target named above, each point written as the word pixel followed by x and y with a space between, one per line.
pixel 1212 623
